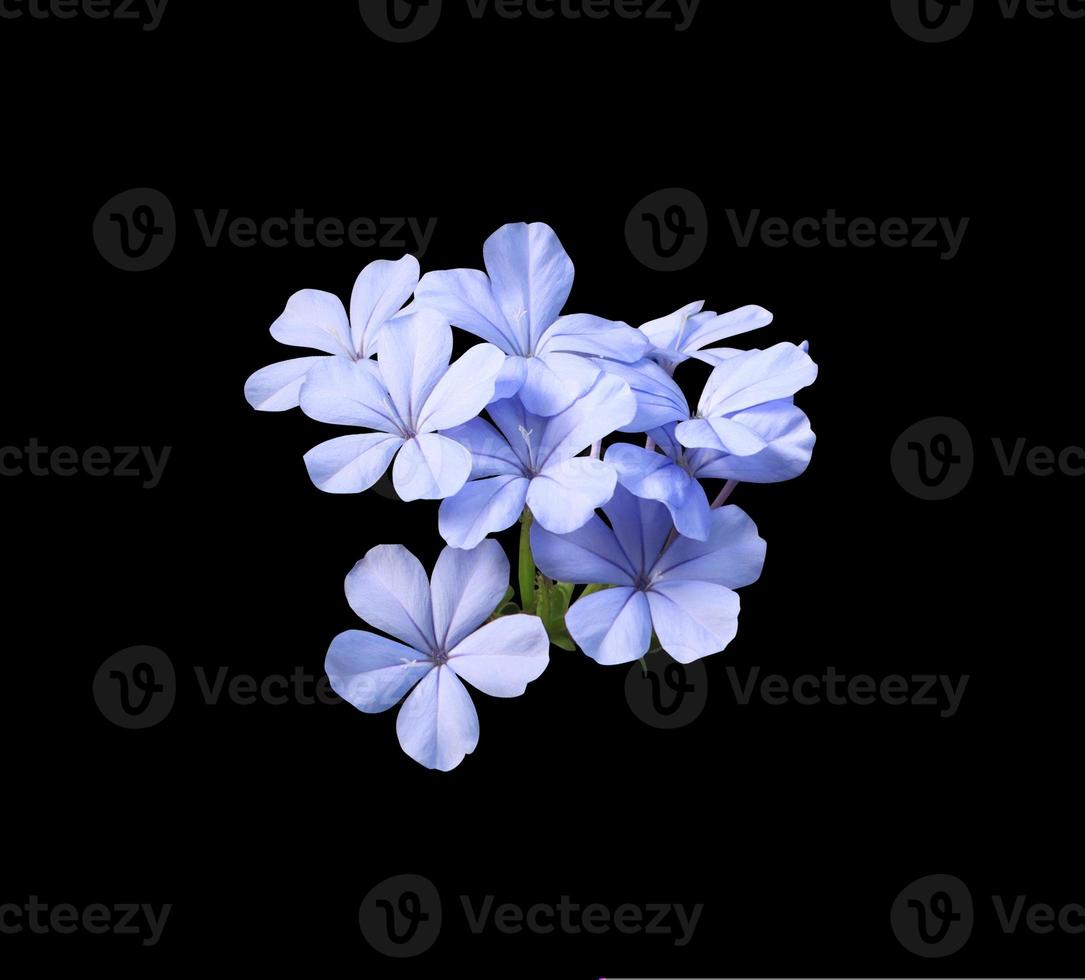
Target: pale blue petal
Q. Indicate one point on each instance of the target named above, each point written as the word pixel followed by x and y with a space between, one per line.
pixel 564 495
pixel 721 434
pixel 640 526
pixel 465 299
pixel 438 725
pixel 491 454
pixel 430 467
pixel 654 476
pixel 704 331
pixel 466 587
pixel 480 508
pixel 464 391
pixel 733 555
pixel 582 333
pixel 790 440
pixel 613 626
pixel 277 387
pixel 316 319
pixel 379 292
pixel 414 354
pixel 351 464
pixel 604 409
pixel 511 377
pixel 389 589
pixel 588 556
pixel 665 438
pixel 666 333
pixel 693 619
pixel 552 382
pixel 345 392
pixel 372 672
pixel 521 429
pixel 531 277
pixel 756 377
pixel 504 656
pixel 659 400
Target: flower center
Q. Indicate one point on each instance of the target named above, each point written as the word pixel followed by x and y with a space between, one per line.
pixel 440 657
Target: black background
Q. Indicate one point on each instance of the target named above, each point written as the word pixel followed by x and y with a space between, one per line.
pixel 265 825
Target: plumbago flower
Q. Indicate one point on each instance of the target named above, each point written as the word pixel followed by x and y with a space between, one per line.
pixel 535 461
pixel 517 308
pixel 683 592
pixel 407 395
pixel 663 565
pixel 317 319
pixel 765 437
pixel 442 640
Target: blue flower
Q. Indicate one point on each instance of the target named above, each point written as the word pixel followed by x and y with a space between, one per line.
pixel 534 460
pixel 777 431
pixel 407 396
pixel 441 643
pixel 317 320
pixel 683 592
pixel 517 307
pixel 683 334
pixel 672 476
pixel 733 415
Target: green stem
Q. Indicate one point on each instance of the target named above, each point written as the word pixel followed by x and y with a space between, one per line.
pixel 527 564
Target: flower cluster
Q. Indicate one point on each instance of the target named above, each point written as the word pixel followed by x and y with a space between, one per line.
pixel 513 431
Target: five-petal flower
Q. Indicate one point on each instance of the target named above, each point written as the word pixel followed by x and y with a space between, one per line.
pixel 517 307
pixel 683 592
pixel 441 640
pixel 407 395
pixel 534 461
pixel 316 319
pixel 733 415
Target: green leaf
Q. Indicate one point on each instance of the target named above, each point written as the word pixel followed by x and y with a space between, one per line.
pixel 553 600
pixel 563 640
